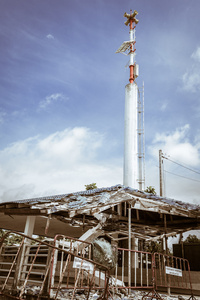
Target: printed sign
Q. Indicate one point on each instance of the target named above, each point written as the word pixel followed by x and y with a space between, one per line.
pixel 173 271
pixel 83 264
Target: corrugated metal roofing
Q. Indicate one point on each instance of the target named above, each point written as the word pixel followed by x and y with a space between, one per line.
pixel 75 197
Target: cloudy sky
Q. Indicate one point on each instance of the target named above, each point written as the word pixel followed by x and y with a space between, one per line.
pixel 62 94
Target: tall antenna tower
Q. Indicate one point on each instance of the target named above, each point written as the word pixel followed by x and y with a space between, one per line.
pixel 133 129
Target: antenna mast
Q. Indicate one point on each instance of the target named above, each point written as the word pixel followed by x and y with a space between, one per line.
pixel 130 45
pixel 134 113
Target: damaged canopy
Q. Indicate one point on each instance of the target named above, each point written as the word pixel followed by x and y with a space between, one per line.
pixel 75 213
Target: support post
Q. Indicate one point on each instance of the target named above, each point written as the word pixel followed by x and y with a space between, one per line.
pixel 181 243
pixel 129 246
pixel 165 225
pixel 166 252
pixel 161 172
pixel 29 228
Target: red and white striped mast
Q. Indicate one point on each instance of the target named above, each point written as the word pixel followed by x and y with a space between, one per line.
pixel 130 176
pixel 132 21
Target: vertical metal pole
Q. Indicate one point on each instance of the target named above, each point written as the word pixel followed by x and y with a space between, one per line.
pixel 141 146
pixel 166 251
pixel 181 243
pixel 143 136
pixel 147 270
pixel 165 225
pixel 161 172
pixel 141 265
pixel 129 246
pixel 122 265
pixel 140 154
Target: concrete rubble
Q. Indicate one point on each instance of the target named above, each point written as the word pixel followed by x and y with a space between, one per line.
pixel 115 294
pixel 118 295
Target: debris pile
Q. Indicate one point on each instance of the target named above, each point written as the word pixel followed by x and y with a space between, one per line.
pixel 103 253
pixel 116 295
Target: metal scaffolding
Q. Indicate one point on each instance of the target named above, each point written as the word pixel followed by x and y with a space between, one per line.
pixel 141 139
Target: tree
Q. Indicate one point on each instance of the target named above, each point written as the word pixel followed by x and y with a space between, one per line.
pixel 153 247
pixel 151 190
pixel 90 186
pixel 11 239
pixel 192 238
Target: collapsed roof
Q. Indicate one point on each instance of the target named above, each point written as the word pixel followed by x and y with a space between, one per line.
pixel 74 213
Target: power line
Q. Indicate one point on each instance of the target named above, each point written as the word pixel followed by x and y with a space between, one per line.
pixel 197 172
pixel 181 176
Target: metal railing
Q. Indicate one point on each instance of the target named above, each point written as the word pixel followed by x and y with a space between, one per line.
pixel 136 275
pixel 68 268
pixel 74 273
pixel 172 272
pixel 61 267
pixel 144 270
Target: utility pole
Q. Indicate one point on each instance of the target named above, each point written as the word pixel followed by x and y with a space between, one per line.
pixel 161 172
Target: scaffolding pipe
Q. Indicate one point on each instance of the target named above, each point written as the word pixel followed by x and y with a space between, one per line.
pixel 141 150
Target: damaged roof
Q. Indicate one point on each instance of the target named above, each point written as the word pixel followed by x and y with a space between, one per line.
pixel 112 203
pixel 102 197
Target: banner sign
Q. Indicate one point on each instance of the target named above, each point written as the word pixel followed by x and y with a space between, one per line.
pixel 83 264
pixel 173 271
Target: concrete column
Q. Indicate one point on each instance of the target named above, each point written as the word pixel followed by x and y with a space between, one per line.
pixel 29 227
pixel 131 136
pixel 28 230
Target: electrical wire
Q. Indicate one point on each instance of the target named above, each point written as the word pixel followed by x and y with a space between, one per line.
pixel 197 172
pixel 181 176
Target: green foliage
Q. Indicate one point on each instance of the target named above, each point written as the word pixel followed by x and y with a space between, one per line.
pixel 153 247
pixel 16 239
pixel 192 238
pixel 2 232
pixel 90 186
pixel 11 239
pixel 150 189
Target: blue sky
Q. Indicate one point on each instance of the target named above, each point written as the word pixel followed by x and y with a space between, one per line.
pixel 62 94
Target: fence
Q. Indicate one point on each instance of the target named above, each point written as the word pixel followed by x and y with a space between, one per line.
pixel 134 269
pixel 144 270
pixel 60 267
pixel 23 270
pixel 171 272
pixel 77 271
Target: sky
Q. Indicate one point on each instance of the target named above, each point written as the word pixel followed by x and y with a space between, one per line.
pixel 62 91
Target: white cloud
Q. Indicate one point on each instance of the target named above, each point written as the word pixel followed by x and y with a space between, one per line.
pixel 2 117
pixel 49 100
pixel 191 78
pixel 163 106
pixel 177 147
pixel 50 37
pixel 196 55
pixel 62 162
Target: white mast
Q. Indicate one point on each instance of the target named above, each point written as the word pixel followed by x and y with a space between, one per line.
pixel 131 109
